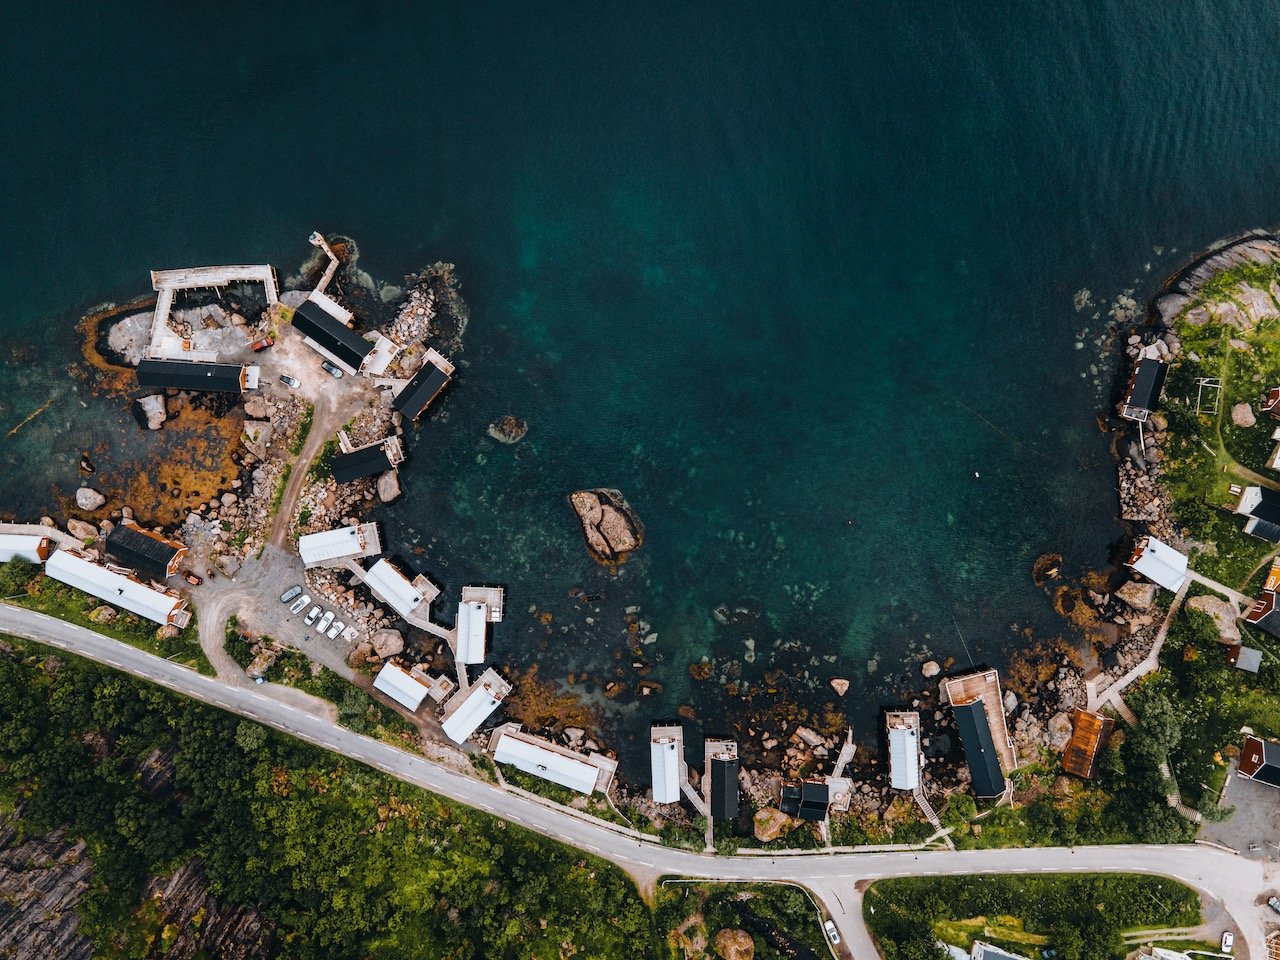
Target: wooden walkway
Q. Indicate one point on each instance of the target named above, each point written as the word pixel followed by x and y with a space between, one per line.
pixel 167 283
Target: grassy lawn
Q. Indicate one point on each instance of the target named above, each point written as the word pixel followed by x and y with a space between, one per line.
pixel 1082 916
pixel 780 919
pixel 67 603
pixel 1203 452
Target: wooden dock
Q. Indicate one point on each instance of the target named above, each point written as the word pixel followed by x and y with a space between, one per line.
pixel 167 283
pixel 985 686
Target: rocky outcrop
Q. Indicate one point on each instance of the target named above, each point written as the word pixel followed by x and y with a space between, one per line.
pixel 508 429
pixel 1059 730
pixel 388 486
pixel 840 685
pixel 387 643
pixel 151 411
pixel 735 945
pixel 81 530
pixel 1140 596
pixel 103 614
pixel 611 527
pixel 769 824
pixel 930 668
pixel 43 880
pixel 201 926
pixel 1242 415
pixel 88 498
pixel 1224 614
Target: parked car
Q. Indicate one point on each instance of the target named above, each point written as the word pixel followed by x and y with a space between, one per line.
pixel 289 381
pixel 327 619
pixel 1274 904
pixel 1228 941
pixel 829 928
pixel 300 604
pixel 259 679
pixel 311 616
pixel 259 345
pixel 192 578
pixel 331 369
pixel 337 628
pixel 291 593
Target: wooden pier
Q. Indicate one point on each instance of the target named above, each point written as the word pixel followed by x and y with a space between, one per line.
pixel 167 283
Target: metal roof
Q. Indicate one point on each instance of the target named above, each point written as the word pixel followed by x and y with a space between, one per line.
pixel 525 753
pixel 476 706
pixel 724 788
pixel 114 588
pixel 345 542
pixel 22 545
pixel 1148 380
pixel 904 758
pixel 979 749
pixel 664 757
pixel 142 550
pixel 392 587
pixel 318 325
pixel 1266 506
pixel 186 375
pixel 472 626
pixel 1160 564
pixel 1260 760
pixel 400 686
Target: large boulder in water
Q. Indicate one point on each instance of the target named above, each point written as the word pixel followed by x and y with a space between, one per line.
pixel 611 527
pixel 152 410
pixel 88 498
pixel 388 486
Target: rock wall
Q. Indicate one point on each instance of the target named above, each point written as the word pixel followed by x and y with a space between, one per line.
pixel 43 880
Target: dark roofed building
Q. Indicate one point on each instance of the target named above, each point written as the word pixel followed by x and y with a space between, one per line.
pixel 185 375
pixel 724 788
pixel 1262 506
pixel 979 749
pixel 416 395
pixel 335 338
pixel 148 553
pixel 1143 393
pixel 366 462
pixel 792 794
pixel 814 798
pixel 1260 760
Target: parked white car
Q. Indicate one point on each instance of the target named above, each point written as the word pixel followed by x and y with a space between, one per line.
pixel 337 628
pixel 829 928
pixel 300 604
pixel 327 619
pixel 311 616
pixel 1228 941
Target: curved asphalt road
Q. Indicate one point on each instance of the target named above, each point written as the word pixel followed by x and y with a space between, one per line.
pixel 835 879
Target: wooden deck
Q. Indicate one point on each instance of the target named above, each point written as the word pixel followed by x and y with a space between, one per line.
pixel 491 596
pixel 167 283
pixel 985 686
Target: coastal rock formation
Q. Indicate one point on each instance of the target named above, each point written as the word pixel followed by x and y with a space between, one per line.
pixel 1139 596
pixel 930 668
pixel 152 410
pixel 88 498
pixel 769 824
pixel 1059 730
pixel 840 685
pixel 81 530
pixel 1242 415
pixel 387 643
pixel 611 527
pixel 735 945
pixel 388 486
pixel 508 429
pixel 43 879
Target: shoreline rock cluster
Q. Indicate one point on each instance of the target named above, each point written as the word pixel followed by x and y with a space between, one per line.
pixel 611 528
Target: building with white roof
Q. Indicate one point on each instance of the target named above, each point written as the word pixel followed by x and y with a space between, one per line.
pixel 333 548
pixel 393 588
pixel 466 712
pixel 473 628
pixel 26 547
pixel 550 761
pixel 76 570
pixel 401 686
pixel 1159 563
pixel 665 754
pixel 904 749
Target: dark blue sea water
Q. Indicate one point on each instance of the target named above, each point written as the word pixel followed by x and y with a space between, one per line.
pixel 797 278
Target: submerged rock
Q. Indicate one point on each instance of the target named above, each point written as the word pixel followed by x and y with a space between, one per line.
pixel 88 498
pixel 152 410
pixel 508 429
pixel 611 527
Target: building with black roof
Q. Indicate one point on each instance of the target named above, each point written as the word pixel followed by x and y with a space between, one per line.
pixel 188 375
pixel 724 788
pixel 1262 506
pixel 331 337
pixel 1143 393
pixel 148 553
pixel 365 462
pixel 1265 613
pixel 814 797
pixel 416 395
pixel 1260 760
pixel 792 794
pixel 979 749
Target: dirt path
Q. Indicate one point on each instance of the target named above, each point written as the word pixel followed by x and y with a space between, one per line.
pixel 324 426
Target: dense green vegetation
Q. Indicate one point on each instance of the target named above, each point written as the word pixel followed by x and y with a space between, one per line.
pixel 304 428
pixel 777 917
pixel 1081 916
pixel 23 583
pixel 1213 701
pixel 322 466
pixel 347 862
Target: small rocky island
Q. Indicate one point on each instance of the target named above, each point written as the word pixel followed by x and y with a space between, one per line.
pixel 611 527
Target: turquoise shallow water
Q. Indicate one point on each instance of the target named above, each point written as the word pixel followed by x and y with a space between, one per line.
pixel 766 268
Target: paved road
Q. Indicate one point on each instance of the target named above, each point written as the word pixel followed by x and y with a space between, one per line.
pixel 835 879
